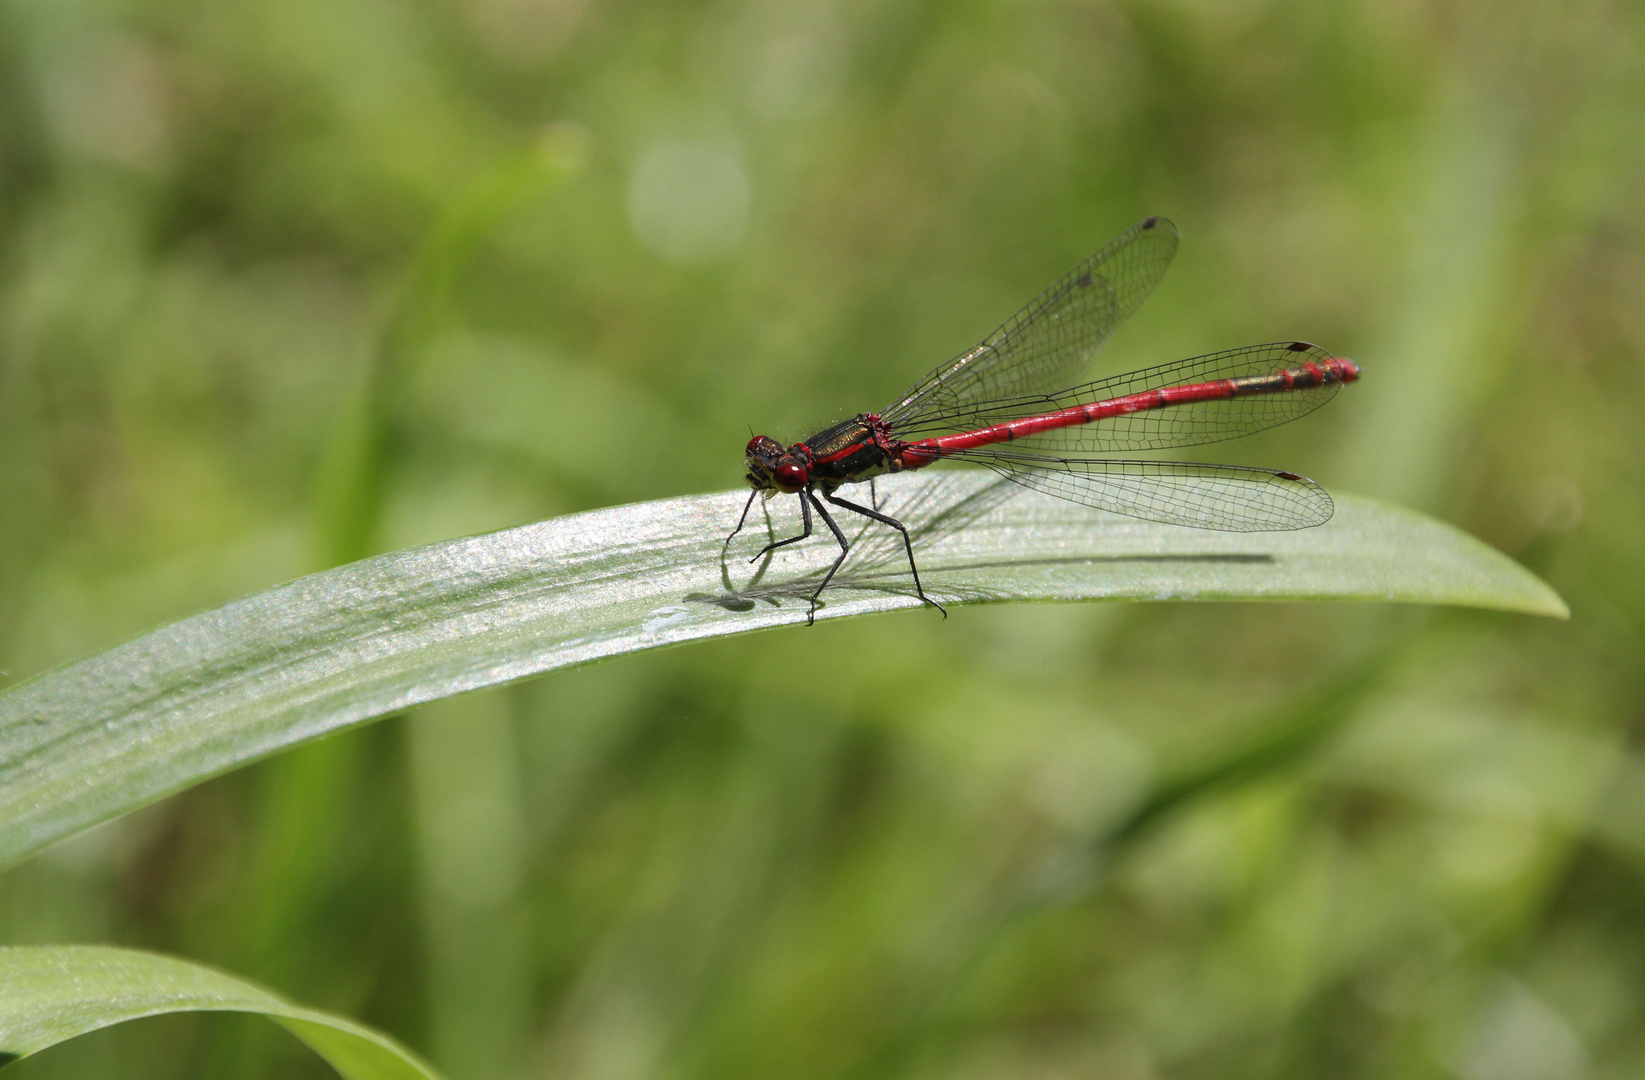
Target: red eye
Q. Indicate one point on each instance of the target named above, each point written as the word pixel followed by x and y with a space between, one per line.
pixel 753 445
pixel 790 477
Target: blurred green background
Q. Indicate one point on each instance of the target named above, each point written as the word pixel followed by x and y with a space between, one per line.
pixel 287 282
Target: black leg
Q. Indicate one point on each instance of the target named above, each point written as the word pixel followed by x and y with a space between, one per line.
pixel 747 506
pixel 805 515
pixel 906 543
pixel 845 549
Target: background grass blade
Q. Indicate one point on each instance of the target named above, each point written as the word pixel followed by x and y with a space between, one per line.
pixel 349 495
pixel 52 993
pixel 201 696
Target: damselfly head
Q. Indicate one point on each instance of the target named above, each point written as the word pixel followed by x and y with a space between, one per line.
pixel 764 455
pixel 771 466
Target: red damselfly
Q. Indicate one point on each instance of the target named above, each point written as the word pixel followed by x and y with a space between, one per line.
pixel 1008 404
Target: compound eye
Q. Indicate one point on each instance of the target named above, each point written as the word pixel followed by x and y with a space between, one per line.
pixel 753 445
pixel 790 477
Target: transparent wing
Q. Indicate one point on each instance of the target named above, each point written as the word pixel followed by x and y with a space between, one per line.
pixel 1189 423
pixel 1050 343
pixel 1230 498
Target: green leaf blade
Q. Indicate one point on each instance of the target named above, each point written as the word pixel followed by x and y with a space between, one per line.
pixel 49 994
pixel 201 696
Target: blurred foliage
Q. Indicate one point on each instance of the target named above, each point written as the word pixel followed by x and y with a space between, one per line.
pixel 1129 841
pixel 52 993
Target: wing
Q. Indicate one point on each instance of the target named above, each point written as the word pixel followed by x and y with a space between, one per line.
pixel 1050 343
pixel 1229 498
pixel 1184 423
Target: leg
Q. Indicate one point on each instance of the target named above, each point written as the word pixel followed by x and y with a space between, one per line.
pixel 805 515
pixel 747 506
pixel 845 549
pixel 906 543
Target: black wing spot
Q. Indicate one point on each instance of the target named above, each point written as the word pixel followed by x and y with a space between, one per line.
pixel 1149 223
pixel 1084 282
pixel 1288 476
pixel 1299 346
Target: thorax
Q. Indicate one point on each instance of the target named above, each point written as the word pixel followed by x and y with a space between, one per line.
pixel 849 451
